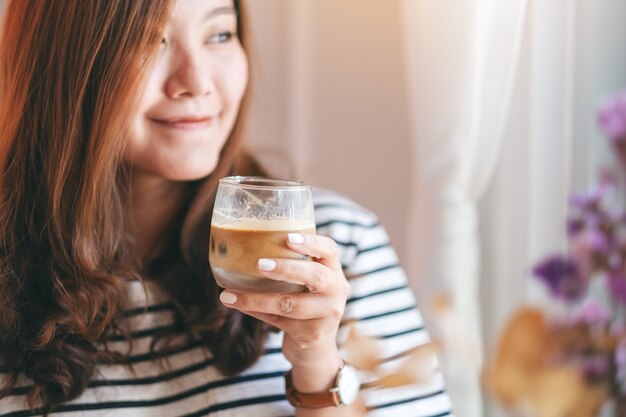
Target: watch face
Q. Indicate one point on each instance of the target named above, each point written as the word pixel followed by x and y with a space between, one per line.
pixel 348 385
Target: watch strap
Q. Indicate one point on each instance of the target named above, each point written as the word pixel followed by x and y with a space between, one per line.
pixel 328 398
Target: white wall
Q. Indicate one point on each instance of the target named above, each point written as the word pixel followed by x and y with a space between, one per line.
pixel 330 97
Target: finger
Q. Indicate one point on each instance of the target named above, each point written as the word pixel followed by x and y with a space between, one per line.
pixel 299 306
pixel 271 319
pixel 287 325
pixel 305 332
pixel 324 249
pixel 315 276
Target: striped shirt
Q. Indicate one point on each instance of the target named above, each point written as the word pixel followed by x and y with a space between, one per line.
pixel 380 304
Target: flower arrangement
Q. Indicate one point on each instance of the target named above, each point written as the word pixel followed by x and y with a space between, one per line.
pixel 572 362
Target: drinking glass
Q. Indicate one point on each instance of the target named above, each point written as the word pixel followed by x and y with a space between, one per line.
pixel 251 219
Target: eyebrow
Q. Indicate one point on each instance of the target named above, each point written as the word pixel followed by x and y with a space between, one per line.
pixel 220 11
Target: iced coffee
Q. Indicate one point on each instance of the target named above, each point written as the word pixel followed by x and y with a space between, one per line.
pixel 251 220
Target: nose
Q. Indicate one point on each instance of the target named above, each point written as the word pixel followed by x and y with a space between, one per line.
pixel 190 77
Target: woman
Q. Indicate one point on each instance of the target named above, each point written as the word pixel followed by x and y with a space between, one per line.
pixel 118 118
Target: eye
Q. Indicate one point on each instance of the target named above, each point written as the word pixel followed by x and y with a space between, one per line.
pixel 221 37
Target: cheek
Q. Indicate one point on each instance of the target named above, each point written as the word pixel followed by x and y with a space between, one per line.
pixel 235 79
pixel 150 95
pixel 152 90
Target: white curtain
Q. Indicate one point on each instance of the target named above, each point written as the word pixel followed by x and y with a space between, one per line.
pixel 573 54
pixel 503 102
pixel 523 212
pixel 462 60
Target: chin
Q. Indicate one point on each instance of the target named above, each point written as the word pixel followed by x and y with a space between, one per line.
pixel 190 172
pixel 183 168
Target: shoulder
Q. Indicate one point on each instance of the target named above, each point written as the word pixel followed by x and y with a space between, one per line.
pixel 358 233
pixel 381 305
pixel 331 205
pixel 351 225
pixel 369 260
pixel 379 285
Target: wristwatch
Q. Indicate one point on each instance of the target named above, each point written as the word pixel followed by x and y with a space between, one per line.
pixel 347 384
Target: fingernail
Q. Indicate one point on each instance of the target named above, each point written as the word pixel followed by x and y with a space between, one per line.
pixel 295 238
pixel 228 297
pixel 267 265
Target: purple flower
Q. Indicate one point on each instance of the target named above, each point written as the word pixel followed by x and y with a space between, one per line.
pixel 614 261
pixel 592 313
pixel 616 284
pixel 595 367
pixel 598 242
pixel 587 201
pixel 585 247
pixel 562 277
pixel 575 225
pixel 612 117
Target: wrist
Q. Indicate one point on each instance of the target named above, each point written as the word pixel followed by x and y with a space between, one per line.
pixel 343 391
pixel 310 356
pixel 316 376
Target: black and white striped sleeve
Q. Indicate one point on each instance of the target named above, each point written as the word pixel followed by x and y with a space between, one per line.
pixel 380 304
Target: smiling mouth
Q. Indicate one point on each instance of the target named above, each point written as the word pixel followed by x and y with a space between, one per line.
pixel 186 123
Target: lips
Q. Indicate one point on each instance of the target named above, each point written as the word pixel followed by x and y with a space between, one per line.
pixel 187 122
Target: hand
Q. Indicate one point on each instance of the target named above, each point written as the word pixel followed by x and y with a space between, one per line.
pixel 309 319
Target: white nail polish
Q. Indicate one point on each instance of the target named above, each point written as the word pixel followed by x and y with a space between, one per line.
pixel 267 265
pixel 295 238
pixel 228 297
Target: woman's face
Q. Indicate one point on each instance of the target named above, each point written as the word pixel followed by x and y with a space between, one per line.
pixel 193 93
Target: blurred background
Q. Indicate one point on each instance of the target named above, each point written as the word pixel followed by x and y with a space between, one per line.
pixel 463 125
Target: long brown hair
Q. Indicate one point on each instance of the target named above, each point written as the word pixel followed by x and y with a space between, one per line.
pixel 69 76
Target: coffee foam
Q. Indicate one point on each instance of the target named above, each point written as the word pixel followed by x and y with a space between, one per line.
pixel 247 223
